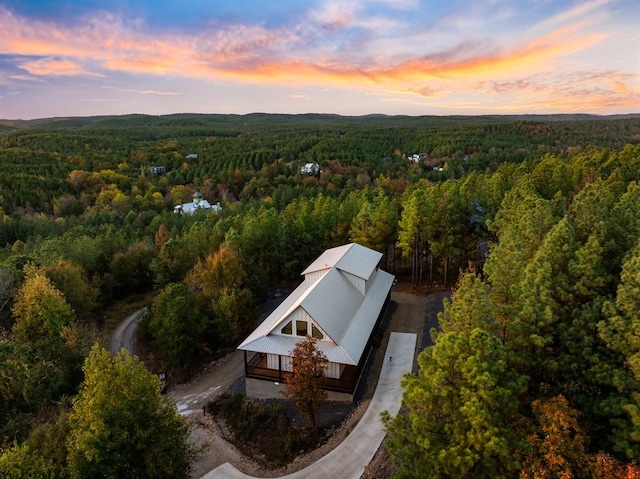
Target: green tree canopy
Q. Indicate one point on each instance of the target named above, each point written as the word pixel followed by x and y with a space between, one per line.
pixel 217 271
pixel 462 408
pixel 72 281
pixel 621 333
pixel 40 310
pixel 176 325
pixel 120 425
pixel 375 224
pixel 43 454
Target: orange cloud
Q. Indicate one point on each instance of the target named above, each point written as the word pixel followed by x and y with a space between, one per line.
pixel 529 57
pixel 299 96
pixel 580 92
pixel 54 67
pixel 144 92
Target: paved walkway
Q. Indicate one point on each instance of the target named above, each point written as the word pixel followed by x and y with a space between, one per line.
pixel 349 459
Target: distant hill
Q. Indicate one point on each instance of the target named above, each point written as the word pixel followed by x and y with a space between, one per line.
pixel 255 119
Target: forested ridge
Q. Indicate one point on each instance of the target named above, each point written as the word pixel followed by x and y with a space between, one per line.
pixel 535 221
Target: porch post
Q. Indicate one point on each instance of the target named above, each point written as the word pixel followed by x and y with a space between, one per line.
pixel 279 368
pixel 246 366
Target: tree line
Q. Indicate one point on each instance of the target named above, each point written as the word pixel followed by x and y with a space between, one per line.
pixel 534 370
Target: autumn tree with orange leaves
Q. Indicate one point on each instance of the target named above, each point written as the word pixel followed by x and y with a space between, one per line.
pixel 304 386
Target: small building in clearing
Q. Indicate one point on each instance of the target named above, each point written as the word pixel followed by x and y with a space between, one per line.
pixel 341 303
pixel 198 203
pixel 310 169
pixel 157 170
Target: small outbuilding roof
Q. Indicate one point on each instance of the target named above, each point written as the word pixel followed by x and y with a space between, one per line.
pixel 351 258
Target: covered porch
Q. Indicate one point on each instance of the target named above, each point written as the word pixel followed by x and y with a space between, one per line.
pixel 255 367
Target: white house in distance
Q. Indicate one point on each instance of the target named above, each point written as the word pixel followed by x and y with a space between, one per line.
pixel 310 169
pixel 198 203
pixel 341 302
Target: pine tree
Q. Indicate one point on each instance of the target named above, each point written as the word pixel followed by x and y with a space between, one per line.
pixel 621 333
pixel 461 411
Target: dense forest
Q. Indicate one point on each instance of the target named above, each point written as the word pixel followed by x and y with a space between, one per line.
pixel 534 221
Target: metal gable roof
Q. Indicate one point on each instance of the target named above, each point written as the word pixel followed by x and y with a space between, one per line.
pixel 276 316
pixel 332 301
pixel 359 329
pixel 355 328
pixel 339 309
pixel 283 345
pixel 328 259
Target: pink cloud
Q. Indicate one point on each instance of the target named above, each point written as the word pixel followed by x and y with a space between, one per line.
pixel 54 67
pixel 144 92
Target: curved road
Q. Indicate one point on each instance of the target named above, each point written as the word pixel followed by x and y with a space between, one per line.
pixel 125 332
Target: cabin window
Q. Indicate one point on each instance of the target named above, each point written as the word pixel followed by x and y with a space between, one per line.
pixel 316 333
pixel 287 329
pixel 301 328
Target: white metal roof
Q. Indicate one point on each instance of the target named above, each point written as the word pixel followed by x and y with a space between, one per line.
pixel 283 345
pixel 337 306
pixel 352 258
pixel 358 331
pixel 276 317
pixel 332 301
pixel 191 208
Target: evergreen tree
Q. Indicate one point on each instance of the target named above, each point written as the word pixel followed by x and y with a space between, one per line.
pixel 621 333
pixel 461 412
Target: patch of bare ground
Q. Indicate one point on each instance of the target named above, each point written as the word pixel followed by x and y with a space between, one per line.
pixel 381 466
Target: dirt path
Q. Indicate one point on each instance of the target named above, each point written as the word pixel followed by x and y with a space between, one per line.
pixel 190 399
pixel 125 332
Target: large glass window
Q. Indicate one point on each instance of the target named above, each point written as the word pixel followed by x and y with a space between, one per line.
pixel 287 329
pixel 316 333
pixel 301 328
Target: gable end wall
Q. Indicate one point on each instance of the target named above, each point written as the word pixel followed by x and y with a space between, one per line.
pixel 311 278
pixel 358 282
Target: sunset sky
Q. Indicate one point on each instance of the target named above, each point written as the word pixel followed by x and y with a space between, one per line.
pixel 351 57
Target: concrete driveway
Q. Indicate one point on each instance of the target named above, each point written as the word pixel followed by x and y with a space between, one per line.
pixel 350 458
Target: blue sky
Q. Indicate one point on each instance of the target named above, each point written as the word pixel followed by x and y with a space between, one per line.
pixel 68 58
